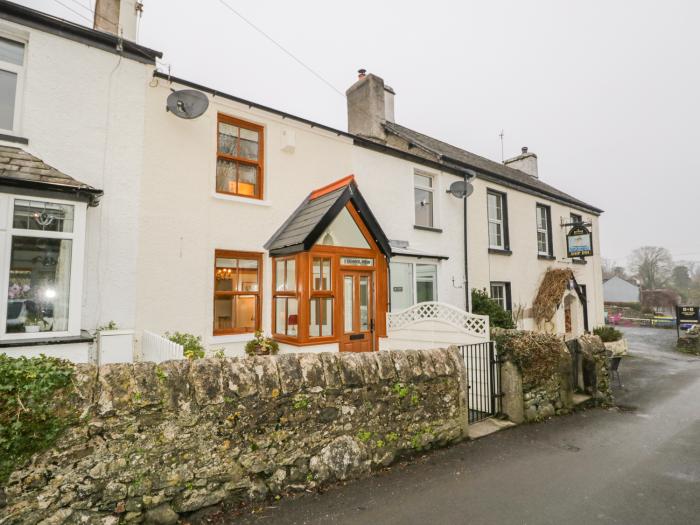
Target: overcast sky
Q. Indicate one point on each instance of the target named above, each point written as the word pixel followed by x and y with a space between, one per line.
pixel 607 93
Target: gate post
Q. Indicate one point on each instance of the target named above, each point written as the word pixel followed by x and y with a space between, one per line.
pixel 512 402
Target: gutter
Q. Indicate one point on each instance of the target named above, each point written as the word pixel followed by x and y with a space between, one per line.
pixel 81 193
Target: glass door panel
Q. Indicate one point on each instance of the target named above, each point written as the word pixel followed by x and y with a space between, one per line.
pixel 349 303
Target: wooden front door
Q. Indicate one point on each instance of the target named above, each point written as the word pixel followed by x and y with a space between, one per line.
pixel 357 311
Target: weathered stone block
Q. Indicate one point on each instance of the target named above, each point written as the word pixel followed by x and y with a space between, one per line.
pixel 206 380
pixel 268 376
pixel 351 369
pixel 312 370
pixel 290 372
pixel 239 378
pixel 385 366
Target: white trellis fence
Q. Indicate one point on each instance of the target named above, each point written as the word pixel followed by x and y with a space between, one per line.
pixel 157 349
pixel 433 324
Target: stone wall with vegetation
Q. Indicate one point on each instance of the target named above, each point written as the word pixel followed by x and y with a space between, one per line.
pixel 154 442
pixel 537 373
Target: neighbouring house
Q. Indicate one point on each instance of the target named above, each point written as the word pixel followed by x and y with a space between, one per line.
pixel 662 301
pixel 619 291
pixel 249 218
pixel 72 107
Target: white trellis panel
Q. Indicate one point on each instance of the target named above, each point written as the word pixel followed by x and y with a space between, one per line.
pixel 433 324
pixel 157 349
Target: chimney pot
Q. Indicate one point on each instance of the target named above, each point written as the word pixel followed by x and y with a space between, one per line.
pixel 524 149
pixel 361 73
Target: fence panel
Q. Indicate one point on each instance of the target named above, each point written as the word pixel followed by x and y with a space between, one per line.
pixel 157 349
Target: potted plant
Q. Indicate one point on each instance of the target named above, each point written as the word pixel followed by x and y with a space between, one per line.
pixel 33 322
pixel 612 339
pixel 261 345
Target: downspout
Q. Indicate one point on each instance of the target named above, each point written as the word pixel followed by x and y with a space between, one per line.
pixel 467 293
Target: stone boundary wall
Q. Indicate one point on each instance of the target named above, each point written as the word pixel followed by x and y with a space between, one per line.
pixel 553 396
pixel 156 442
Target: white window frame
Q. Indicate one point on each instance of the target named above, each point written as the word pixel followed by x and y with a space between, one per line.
pixel 432 189
pixel 544 230
pixel 414 281
pixel 500 223
pixel 504 290
pixel 19 71
pixel 7 231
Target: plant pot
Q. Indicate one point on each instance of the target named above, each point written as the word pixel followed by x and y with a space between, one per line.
pixel 617 348
pixel 261 351
pixel 31 329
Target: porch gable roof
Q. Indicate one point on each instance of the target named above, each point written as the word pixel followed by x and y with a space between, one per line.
pixel 304 227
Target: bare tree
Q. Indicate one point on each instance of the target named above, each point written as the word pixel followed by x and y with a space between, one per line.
pixel 651 265
pixel 612 269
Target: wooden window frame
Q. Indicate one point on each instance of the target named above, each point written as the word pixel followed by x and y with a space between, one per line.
pixel 329 293
pixel 507 302
pixel 233 254
pixel 259 164
pixel 288 294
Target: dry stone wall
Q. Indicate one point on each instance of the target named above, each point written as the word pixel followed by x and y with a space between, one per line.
pixel 156 442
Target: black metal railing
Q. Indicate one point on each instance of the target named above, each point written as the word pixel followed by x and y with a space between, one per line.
pixel 484 377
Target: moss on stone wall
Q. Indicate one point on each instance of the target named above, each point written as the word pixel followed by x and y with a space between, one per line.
pixel 172 438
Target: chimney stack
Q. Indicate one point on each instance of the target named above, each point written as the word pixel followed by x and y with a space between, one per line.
pixel 525 162
pixel 119 17
pixel 370 105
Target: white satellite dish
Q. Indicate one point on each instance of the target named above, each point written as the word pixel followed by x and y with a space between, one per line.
pixel 187 103
pixel 461 189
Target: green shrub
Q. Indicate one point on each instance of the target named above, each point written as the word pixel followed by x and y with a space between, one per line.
pixel 261 345
pixel 536 354
pixel 192 344
pixel 29 418
pixel 482 304
pixel 608 334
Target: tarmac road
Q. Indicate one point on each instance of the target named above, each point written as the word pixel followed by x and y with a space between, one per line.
pixel 637 464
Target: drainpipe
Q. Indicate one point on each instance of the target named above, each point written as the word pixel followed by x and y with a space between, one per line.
pixel 468 298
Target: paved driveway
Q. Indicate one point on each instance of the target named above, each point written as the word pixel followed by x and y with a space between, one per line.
pixel 636 465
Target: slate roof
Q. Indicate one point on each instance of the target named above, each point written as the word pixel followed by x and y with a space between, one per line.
pixel 486 168
pixel 21 169
pixel 303 228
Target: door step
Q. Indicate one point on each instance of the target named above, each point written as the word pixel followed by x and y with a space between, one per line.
pixel 488 427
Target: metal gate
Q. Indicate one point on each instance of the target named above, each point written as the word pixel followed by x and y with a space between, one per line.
pixel 484 376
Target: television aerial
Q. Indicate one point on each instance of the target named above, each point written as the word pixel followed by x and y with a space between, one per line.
pixel 187 103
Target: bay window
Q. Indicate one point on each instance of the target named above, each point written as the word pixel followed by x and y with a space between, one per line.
pixel 43 259
pixel 237 301
pixel 321 301
pixel 286 301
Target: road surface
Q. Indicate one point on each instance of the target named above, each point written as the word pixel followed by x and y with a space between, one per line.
pixel 639 464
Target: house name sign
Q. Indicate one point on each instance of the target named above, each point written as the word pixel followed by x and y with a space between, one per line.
pixel 579 242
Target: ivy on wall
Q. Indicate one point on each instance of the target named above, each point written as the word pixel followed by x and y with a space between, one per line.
pixel 29 422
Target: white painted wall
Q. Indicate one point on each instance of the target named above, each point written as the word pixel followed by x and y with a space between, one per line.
pixel 617 290
pixel 183 221
pixel 83 113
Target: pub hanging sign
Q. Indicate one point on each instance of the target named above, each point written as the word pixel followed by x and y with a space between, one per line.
pixel 579 242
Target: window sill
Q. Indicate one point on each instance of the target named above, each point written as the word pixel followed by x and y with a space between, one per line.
pixel 244 200
pixel 45 341
pixel 427 228
pixel 579 261
pixel 500 251
pixel 546 257
pixel 14 139
pixel 230 338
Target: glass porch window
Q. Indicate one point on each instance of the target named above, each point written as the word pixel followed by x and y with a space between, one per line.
pixel 286 300
pixel 237 277
pixel 239 161
pixel 348 303
pixel 322 298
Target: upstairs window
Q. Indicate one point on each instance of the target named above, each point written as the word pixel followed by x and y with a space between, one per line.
pixel 498 220
pixel 11 65
pixel 544 230
pixel 239 158
pixel 423 192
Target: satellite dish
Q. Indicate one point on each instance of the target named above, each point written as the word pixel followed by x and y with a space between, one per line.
pixel 187 103
pixel 461 189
